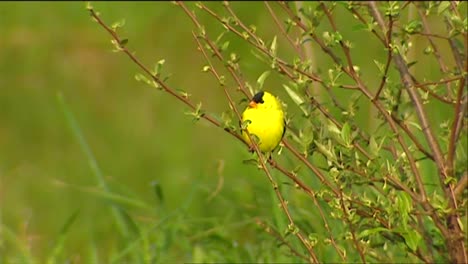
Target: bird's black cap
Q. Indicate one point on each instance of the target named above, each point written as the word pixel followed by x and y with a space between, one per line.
pixel 258 97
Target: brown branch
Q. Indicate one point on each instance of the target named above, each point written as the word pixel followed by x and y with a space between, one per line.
pixel 413 138
pixel 156 79
pixel 428 33
pixel 458 57
pixel 360 18
pixel 308 49
pixel 456 125
pixel 388 40
pixel 215 73
pixel 454 9
pixel 433 94
pixel 340 126
pixel 351 228
pixel 216 51
pixel 322 45
pixel 315 170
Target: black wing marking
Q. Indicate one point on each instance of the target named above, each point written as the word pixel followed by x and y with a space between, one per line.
pixel 284 128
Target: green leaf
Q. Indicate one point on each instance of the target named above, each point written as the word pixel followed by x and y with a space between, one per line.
pixel 450 180
pixel 227 120
pixel 443 6
pixel 428 50
pixel 335 133
pixel 413 26
pixel 118 24
pixel 326 151
pixel 374 148
pixel 225 46
pixel 273 47
pixel 306 135
pixel 393 9
pixel 346 134
pixel 416 125
pixel 88 5
pixel 197 113
pixel 123 42
pixel 368 232
pixel 142 78
pixel 313 239
pixel 380 66
pixel 158 67
pixel 261 80
pixel 298 100
pixel 412 239
pixel 404 205
pixel 220 36
pixel 359 27
pixel 158 191
pixel 245 124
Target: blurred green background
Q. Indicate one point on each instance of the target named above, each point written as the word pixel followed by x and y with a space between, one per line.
pixel 140 137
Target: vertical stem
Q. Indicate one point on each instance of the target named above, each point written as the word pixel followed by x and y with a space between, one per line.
pixel 308 50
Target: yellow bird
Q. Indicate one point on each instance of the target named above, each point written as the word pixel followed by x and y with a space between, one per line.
pixel 264 120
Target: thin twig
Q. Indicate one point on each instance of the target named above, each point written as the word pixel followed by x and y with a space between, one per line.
pixel 352 231
pixel 388 40
pixel 165 88
pixel 456 124
pixel 427 32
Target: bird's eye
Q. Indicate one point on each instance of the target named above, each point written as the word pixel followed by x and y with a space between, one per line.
pixel 258 97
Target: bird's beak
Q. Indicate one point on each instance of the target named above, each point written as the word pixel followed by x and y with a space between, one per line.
pixel 252 104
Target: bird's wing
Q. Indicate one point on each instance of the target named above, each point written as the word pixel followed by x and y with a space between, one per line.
pixel 284 128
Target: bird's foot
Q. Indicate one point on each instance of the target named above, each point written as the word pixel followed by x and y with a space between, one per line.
pixel 251 149
pixel 271 161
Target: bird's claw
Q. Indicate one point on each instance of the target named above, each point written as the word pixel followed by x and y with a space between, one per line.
pixel 271 161
pixel 251 149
